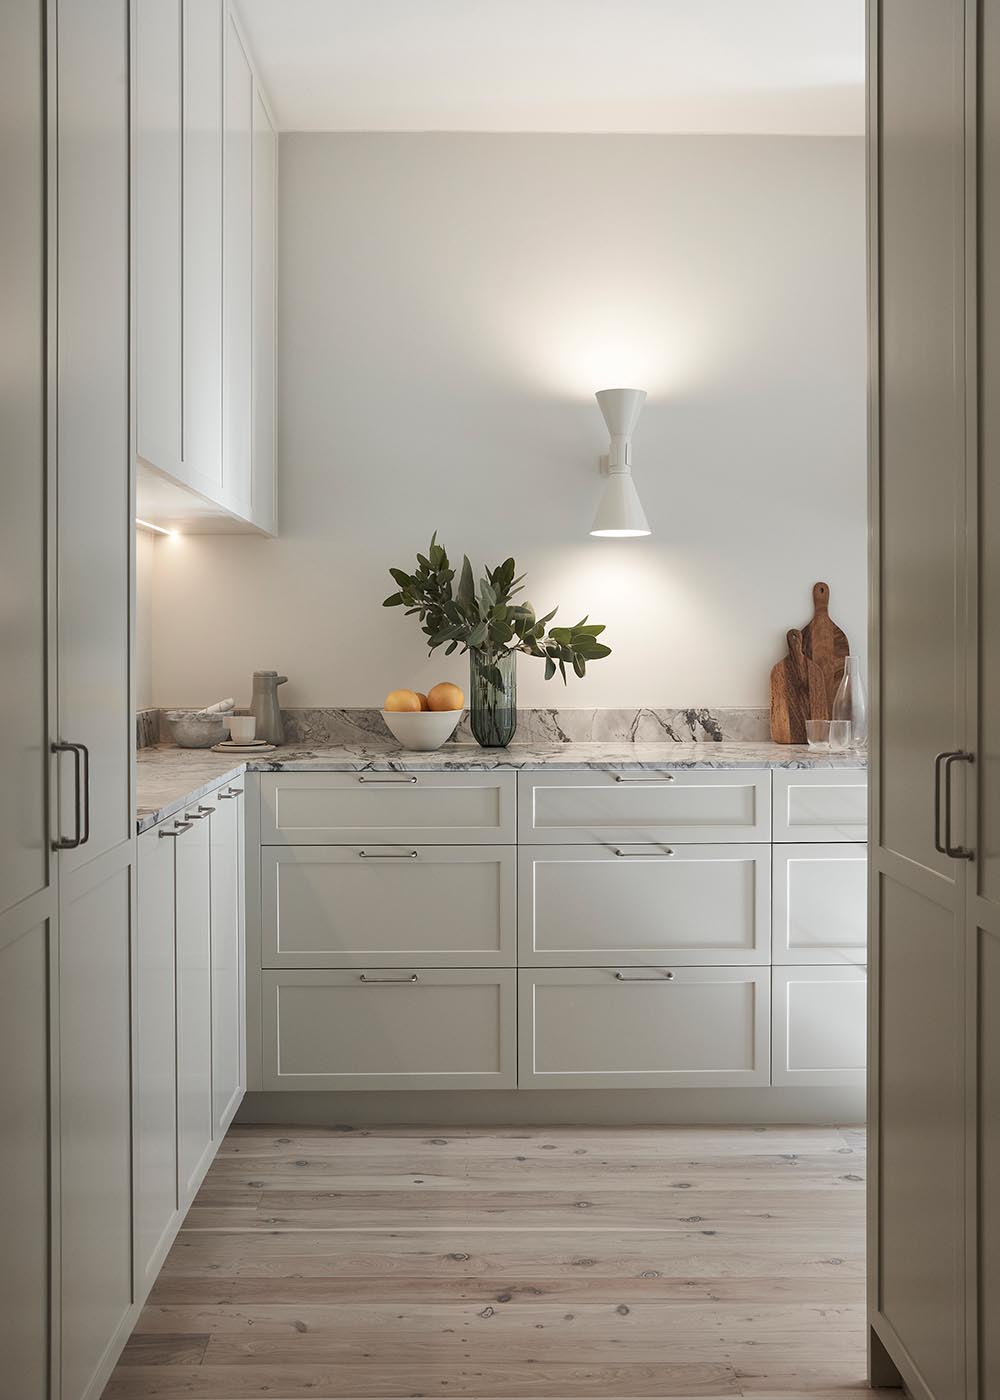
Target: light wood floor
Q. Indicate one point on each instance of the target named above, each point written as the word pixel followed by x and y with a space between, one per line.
pixel 565 1262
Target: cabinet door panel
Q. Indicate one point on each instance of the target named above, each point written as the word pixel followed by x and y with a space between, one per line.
pixel 820 805
pixel 95 1098
pixel 156 240
pixel 265 173
pixel 194 1009
pixel 154 1056
pixel 237 272
pixel 820 903
pixel 227 959
pixel 583 905
pixel 407 1028
pixel 591 1028
pixel 819 1025
pixel 24 1161
pixel 203 244
pixel 459 809
pixel 377 906
pixel 684 805
pixel 95 521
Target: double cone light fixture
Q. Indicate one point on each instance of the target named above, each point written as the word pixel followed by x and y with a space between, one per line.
pixel 620 514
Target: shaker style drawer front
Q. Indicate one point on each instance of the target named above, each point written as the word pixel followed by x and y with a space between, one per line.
pixel 592 1028
pixel 317 809
pixel 381 906
pixel 400 1028
pixel 819 1033
pixel 633 904
pixel 644 805
pixel 823 804
pixel 820 903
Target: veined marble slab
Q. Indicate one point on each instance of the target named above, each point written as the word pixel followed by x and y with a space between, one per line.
pixel 169 778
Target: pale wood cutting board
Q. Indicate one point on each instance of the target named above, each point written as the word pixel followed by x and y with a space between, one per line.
pixel 825 643
pixel 798 693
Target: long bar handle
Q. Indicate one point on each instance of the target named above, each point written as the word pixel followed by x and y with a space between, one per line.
pixel 406 778
pixel 178 828
pixel 662 977
pixel 374 981
pixel 86 792
pixel 388 855
pixel 938 844
pixel 648 855
pixel 69 843
pixel 644 777
pixel 956 852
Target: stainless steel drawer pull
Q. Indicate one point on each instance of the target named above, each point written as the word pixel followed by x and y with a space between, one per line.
pixel 372 981
pixel 198 816
pixel 407 778
pixel 644 777
pixel 638 855
pixel 388 855
pixel 230 792
pixel 205 810
pixel 178 828
pixel 950 849
pixel 69 843
pixel 662 977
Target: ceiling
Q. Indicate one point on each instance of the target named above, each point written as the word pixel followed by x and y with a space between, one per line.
pixel 750 66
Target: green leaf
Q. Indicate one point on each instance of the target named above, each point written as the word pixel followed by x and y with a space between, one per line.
pixel 477 636
pixel 401 577
pixel 550 668
pixel 393 601
pixel 466 585
pixel 450 648
pixel 593 630
pixel 579 665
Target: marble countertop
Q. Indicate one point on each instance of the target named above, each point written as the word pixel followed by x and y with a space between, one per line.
pixel 170 778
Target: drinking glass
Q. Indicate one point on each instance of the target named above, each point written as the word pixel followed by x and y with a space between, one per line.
pixel 840 734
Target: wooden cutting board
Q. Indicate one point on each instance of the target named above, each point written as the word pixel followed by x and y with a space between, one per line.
pixel 798 693
pixel 825 643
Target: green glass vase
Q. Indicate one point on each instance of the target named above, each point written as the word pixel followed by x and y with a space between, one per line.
pixel 493 697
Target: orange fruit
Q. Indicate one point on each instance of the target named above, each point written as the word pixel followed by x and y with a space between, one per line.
pixel 402 700
pixel 445 696
pixel 424 702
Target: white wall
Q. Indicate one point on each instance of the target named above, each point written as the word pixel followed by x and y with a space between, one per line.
pixel 448 305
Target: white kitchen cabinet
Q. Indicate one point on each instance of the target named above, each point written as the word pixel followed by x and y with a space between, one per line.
pixel 156 239
pixel 632 904
pixel 228 981
pixel 202 247
pixel 644 806
pixel 237 268
pixel 154 1056
pixel 391 808
pixel 265 209
pixel 819 1026
pixel 382 905
pixel 820 903
pixel 194 1005
pixel 820 804
pixel 401 1028
pixel 203 244
pixel 615 1028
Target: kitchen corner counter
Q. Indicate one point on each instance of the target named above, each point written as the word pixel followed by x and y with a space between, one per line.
pixel 169 778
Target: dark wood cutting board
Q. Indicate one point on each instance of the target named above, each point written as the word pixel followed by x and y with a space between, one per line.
pixel 825 643
pixel 798 693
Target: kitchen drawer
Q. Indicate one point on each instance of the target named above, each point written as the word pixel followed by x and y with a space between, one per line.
pixel 819 1031
pixel 682 805
pixel 820 903
pixel 594 1028
pixel 820 804
pixel 380 906
pixel 405 1028
pixel 630 904
pixel 324 809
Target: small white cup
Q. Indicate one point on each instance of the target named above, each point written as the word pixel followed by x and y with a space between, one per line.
pixel 242 728
pixel 840 734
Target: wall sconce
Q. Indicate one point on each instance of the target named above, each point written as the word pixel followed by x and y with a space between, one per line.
pixel 620 514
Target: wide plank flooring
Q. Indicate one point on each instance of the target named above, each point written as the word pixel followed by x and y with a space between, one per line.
pixel 504 1263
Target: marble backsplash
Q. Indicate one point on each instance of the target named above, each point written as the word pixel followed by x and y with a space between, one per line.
pixel 321 726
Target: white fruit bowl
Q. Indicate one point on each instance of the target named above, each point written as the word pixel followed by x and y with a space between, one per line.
pixel 422 729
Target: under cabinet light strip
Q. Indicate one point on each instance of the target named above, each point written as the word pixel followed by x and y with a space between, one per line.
pixel 157 529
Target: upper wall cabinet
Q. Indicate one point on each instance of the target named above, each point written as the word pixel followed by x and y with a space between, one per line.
pixel 204 252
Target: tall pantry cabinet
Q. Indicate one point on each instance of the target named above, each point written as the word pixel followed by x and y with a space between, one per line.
pixel 67 840
pixel 934 162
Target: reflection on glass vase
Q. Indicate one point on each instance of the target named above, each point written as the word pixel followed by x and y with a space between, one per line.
pixel 493 697
pixel 851 702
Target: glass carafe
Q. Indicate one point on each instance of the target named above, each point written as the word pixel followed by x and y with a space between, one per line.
pixel 851 702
